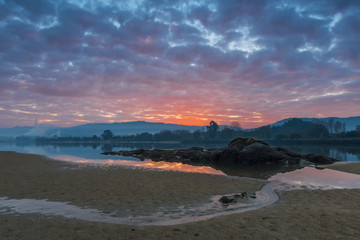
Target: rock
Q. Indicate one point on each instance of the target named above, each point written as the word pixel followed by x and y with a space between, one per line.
pixel 234 198
pixel 304 163
pixel 227 199
pixel 246 151
pixel 139 151
pixel 320 159
pixel 252 195
pixel 251 151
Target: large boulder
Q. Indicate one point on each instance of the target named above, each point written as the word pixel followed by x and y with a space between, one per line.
pixel 251 151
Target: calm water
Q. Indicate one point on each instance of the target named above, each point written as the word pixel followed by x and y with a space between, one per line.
pixel 280 179
pixel 93 151
pixel 341 152
pixel 91 154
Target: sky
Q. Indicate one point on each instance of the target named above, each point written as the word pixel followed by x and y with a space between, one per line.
pixel 255 62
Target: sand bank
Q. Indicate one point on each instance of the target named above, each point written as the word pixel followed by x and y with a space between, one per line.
pixel 352 167
pixel 331 214
pixel 110 188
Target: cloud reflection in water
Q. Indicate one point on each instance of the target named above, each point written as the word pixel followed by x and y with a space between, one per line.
pixel 166 166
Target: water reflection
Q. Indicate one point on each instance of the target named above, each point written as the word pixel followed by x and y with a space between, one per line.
pixel 306 178
pixel 169 166
pixel 348 153
pixel 312 178
pixel 91 152
pixel 255 171
pixel 94 150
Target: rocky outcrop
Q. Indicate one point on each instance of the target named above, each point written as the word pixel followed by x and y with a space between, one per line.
pixel 247 151
pixel 236 197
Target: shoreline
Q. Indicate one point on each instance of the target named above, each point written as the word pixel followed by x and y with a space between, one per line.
pixel 111 188
pixel 299 214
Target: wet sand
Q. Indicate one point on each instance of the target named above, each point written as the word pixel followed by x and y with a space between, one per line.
pixel 331 214
pixel 346 167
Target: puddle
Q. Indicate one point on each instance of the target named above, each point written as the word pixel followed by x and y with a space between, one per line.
pixel 306 178
pixel 181 214
pixel 313 179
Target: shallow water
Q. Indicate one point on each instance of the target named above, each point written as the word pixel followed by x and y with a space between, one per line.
pixel 168 166
pixel 315 179
pixel 90 153
pixel 178 215
pixel 306 178
pixel 94 150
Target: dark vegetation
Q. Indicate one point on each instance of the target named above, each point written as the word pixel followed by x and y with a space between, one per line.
pixel 294 129
pixel 245 151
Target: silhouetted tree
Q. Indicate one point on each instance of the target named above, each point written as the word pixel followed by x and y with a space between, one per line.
pixel 281 136
pixel 182 135
pixel 165 135
pixel 228 133
pixel 212 129
pixel 144 136
pixel 197 135
pixel 318 131
pixel 295 135
pixel 107 135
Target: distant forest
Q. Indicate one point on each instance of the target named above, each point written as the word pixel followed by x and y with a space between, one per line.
pixel 293 129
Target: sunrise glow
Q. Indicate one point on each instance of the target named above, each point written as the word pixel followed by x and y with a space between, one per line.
pixel 161 165
pixel 68 62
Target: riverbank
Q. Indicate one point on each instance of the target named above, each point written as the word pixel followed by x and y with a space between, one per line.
pixel 108 187
pixel 331 214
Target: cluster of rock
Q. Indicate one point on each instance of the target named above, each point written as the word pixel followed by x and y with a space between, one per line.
pixel 247 151
pixel 236 197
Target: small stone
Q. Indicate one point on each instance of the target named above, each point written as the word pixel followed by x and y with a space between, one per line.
pixel 227 199
pixel 252 195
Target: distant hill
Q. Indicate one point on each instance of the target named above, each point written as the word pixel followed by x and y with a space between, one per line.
pixel 131 128
pixel 350 122
pixel 125 128
pixel 14 131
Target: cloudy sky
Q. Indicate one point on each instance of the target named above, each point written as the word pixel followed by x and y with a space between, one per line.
pixel 255 62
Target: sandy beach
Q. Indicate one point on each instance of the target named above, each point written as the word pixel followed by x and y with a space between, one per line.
pixel 300 214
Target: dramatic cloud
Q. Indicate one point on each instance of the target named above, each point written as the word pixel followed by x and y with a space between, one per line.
pixel 72 62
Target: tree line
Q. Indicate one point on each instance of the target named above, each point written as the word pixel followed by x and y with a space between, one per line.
pixel 293 129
